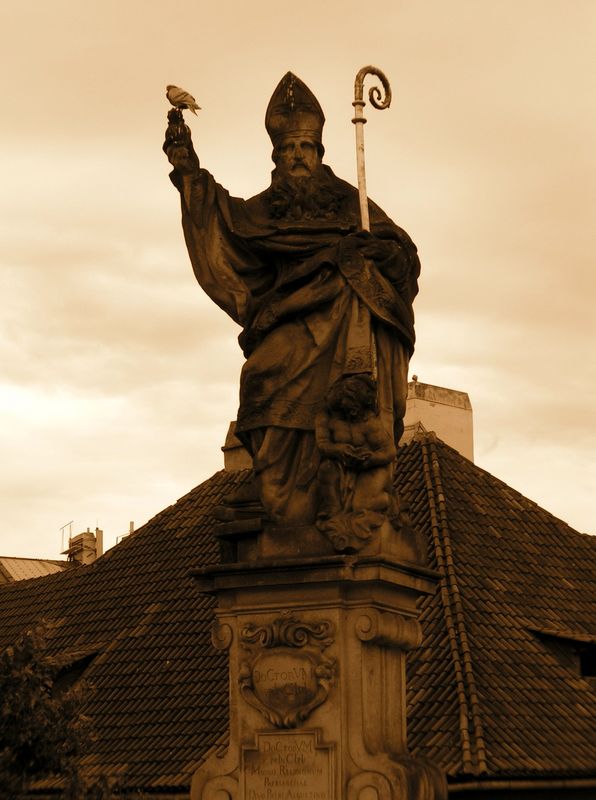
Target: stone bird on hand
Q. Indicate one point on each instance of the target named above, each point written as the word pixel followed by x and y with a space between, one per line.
pixel 181 99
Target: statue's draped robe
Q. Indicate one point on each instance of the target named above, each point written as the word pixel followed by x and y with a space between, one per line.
pixel 314 304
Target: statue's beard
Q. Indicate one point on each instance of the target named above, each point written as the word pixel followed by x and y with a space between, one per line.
pixel 315 196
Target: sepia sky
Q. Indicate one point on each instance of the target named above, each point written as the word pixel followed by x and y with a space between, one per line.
pixel 119 377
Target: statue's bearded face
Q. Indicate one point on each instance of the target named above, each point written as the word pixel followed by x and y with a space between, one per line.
pixel 302 187
pixel 297 155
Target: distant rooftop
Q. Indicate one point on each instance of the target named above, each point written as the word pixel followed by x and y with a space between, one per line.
pixel 447 412
pixel 21 569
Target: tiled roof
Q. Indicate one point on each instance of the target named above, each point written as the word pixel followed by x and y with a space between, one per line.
pixel 485 678
pixel 22 569
pixel 158 689
pixel 488 694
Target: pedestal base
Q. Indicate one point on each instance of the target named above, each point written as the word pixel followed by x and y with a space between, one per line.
pixel 317 651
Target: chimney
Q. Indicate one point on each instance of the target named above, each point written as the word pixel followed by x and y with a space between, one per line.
pixel 98 542
pixel 85 547
pixel 447 412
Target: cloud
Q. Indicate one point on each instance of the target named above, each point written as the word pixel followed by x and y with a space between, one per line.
pixel 119 376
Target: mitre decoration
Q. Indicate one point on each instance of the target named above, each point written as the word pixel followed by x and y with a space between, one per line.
pixel 293 109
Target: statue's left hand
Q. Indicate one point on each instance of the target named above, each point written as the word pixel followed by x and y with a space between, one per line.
pixel 370 245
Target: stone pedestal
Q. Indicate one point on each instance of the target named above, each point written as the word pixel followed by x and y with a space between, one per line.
pixel 317 644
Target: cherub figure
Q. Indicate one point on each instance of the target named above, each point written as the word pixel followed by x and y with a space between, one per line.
pixel 356 470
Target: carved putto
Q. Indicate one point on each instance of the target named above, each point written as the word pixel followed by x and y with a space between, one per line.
pixel 356 471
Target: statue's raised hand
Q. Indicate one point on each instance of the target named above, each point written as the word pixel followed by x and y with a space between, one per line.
pixel 178 144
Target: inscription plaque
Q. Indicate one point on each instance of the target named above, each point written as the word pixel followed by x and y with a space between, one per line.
pixel 288 766
pixel 284 680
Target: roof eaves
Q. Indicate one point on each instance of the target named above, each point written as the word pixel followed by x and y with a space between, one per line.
pixel 522 784
pixel 563 633
pixel 470 721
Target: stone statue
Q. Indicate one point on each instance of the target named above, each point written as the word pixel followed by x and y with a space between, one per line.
pixel 326 312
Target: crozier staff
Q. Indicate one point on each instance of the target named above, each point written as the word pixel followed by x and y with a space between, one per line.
pixel 380 101
pixel 318 299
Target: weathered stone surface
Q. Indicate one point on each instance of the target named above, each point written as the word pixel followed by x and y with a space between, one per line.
pixel 317 691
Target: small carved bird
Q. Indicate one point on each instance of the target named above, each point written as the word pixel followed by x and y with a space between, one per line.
pixel 181 99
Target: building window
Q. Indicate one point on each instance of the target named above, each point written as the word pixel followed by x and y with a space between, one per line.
pixel 587 663
pixel 70 674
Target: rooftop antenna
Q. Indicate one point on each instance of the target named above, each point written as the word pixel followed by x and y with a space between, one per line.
pixel 62 529
pixel 131 529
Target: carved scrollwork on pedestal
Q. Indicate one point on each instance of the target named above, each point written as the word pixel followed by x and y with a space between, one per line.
pixel 371 786
pixel 288 631
pixel 221 636
pixel 220 788
pixel 387 629
pixel 286 674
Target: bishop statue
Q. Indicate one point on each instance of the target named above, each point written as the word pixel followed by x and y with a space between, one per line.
pixel 326 315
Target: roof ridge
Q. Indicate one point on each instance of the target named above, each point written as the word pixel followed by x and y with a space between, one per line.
pixel 430 436
pixel 473 752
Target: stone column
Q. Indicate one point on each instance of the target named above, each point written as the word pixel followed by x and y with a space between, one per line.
pixel 317 643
